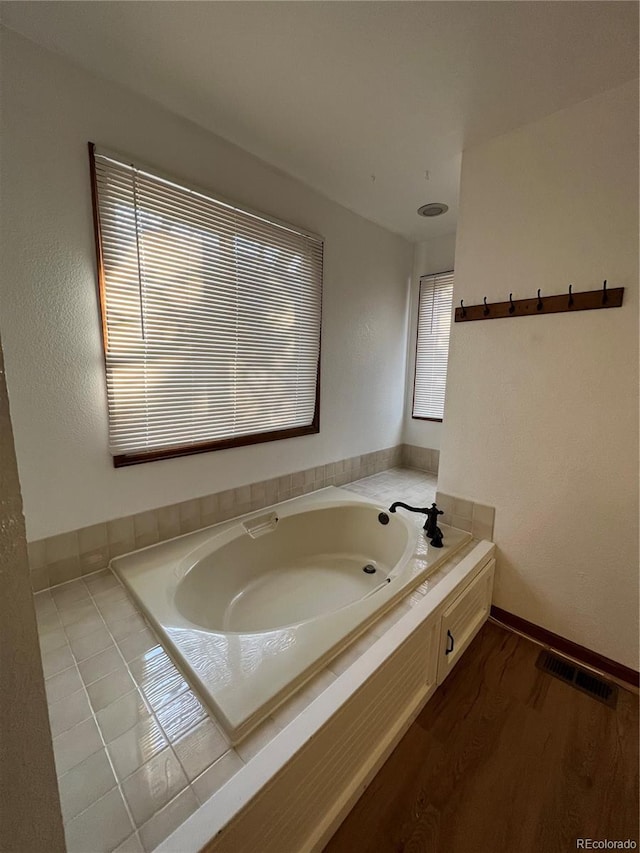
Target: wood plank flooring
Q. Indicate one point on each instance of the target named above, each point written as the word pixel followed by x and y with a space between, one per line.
pixel 503 759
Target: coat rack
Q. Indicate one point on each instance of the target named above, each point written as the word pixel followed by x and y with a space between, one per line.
pixel 587 300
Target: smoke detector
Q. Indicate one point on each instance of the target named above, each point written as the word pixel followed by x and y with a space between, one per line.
pixel 436 208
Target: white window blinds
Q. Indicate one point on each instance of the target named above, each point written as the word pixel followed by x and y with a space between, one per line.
pixel 432 348
pixel 211 318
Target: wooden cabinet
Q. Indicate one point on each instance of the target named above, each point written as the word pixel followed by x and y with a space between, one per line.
pixel 463 618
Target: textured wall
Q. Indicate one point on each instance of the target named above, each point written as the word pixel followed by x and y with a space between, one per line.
pixel 542 412
pixel 30 820
pixel 49 314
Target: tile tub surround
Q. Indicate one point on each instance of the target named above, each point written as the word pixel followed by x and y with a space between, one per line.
pixel 67 556
pixel 136 751
pixel 478 519
pixel 242 675
pixel 422 458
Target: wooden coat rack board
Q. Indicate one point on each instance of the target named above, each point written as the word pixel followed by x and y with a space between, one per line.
pixel 587 300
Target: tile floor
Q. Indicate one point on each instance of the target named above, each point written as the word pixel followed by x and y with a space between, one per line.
pixel 398 484
pixel 135 750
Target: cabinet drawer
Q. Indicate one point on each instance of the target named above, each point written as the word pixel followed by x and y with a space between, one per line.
pixel 463 619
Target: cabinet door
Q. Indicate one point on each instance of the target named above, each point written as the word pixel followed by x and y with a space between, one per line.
pixel 463 619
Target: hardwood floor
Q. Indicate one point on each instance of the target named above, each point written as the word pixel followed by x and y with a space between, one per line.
pixel 503 759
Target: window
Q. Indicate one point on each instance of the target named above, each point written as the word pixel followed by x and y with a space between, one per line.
pixel 432 346
pixel 210 316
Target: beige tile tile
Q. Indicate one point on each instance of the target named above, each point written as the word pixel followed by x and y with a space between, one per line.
pixel 136 746
pixel 154 785
pixel 257 740
pixel 303 698
pixel 180 715
pixel 200 747
pixel 68 712
pixel 73 746
pixel 445 502
pixel 101 581
pixel 36 554
pixel 101 828
pixel 462 508
pixel 121 715
pixel 145 525
pixel 284 483
pixel 64 570
pixel 131 845
pixel 51 640
pixel 61 547
pixel 39 579
pixel 479 530
pixel 84 784
pixel 105 597
pixel 87 625
pixel 106 690
pixel 43 603
pixel 55 661
pixel 271 489
pixel 164 822
pixel 90 644
pixel 215 776
pixel 461 523
pixel 344 660
pixel 382 625
pixel 78 611
pixel 226 499
pixel 190 516
pixel 121 536
pixel 157 677
pixel 100 665
pixel 48 620
pixel 168 522
pixel 131 624
pixel 209 510
pixel 484 514
pixel 94 548
pixel 259 493
pixel 135 645
pixel 299 478
pixel 70 594
pixel 114 611
pixel 63 684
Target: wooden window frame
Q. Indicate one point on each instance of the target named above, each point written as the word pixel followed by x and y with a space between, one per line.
pixel 178 451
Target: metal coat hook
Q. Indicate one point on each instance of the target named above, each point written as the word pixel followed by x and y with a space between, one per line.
pixel 539 306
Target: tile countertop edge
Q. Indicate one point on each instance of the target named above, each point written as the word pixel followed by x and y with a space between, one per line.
pixel 205 823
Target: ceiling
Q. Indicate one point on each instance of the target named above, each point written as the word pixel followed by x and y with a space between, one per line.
pixel 371 103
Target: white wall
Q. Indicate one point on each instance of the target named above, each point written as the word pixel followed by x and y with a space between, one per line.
pixel 49 315
pixel 542 412
pixel 430 256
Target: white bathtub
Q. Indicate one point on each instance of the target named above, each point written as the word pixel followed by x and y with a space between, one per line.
pixel 252 608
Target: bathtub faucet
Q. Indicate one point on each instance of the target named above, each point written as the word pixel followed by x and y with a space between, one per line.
pixel 431 529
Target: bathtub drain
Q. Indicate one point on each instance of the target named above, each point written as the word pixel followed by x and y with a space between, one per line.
pixel 369 569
